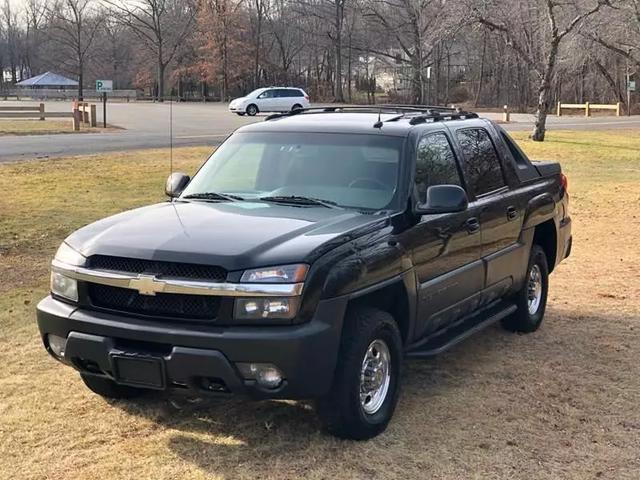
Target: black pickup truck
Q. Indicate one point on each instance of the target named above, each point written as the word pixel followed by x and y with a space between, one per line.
pixel 308 256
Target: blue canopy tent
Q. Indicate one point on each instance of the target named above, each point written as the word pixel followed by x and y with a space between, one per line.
pixel 48 80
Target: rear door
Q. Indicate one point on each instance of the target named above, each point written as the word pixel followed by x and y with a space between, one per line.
pixel 284 99
pixel 500 209
pixel 446 248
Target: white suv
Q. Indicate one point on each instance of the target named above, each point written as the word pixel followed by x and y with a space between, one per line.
pixel 270 99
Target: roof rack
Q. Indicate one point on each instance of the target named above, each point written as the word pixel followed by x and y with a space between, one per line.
pixel 416 113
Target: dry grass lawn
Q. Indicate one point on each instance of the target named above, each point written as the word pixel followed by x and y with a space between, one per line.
pixel 561 403
pixel 41 127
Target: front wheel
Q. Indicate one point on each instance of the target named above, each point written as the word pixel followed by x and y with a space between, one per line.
pixel 531 300
pixel 252 110
pixel 366 384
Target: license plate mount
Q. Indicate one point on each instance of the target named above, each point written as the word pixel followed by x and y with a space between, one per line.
pixel 139 371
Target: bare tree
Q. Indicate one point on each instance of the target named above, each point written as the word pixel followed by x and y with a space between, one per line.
pixel 414 28
pixel 10 21
pixel 542 55
pixel 161 25
pixel 73 26
pixel 35 25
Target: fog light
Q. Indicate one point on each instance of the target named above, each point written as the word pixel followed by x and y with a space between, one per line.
pixel 57 345
pixel 265 374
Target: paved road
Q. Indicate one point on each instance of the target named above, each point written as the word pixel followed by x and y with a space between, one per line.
pixel 147 125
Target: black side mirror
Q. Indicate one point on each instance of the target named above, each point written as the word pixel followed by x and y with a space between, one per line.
pixel 443 199
pixel 176 183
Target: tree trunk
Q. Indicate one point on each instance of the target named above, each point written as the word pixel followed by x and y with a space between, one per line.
pixel 80 81
pixel 539 129
pixel 481 79
pixel 160 93
pixel 337 89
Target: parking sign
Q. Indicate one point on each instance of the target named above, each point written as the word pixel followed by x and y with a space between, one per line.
pixel 104 85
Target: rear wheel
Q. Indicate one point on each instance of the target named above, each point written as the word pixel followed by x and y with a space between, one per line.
pixel 252 110
pixel 366 384
pixel 531 300
pixel 109 389
pixel 297 106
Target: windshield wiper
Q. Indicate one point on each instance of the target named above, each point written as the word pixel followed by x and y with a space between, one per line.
pixel 300 200
pixel 213 196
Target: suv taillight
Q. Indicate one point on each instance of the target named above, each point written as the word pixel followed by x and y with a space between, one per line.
pixel 564 182
pixel 306 97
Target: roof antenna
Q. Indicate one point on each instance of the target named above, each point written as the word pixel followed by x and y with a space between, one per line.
pixel 171 134
pixel 378 124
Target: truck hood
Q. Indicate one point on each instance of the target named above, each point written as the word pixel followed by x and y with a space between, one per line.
pixel 234 235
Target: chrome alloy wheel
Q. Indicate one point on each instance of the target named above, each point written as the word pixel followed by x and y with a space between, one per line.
pixel 534 289
pixel 375 376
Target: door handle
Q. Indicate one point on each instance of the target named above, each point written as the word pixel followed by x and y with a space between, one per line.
pixel 512 213
pixel 472 225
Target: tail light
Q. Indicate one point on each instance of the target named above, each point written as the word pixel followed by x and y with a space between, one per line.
pixel 306 97
pixel 564 181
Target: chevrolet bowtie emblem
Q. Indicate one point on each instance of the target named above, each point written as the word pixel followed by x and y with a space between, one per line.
pixel 146 285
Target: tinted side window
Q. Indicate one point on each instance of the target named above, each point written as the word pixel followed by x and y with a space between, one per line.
pixel 435 163
pixel 480 164
pixel 296 93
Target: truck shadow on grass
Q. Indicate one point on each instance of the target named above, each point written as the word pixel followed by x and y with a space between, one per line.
pixel 223 435
pixel 463 398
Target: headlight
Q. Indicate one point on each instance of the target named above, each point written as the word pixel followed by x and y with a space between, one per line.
pixel 68 255
pixel 266 308
pixel 64 286
pixel 280 274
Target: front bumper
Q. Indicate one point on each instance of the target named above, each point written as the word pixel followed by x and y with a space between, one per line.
pixel 192 356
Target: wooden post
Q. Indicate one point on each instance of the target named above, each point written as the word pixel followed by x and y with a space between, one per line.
pixel 587 110
pixel 42 111
pixel 93 121
pixel 104 109
pixel 559 109
pixel 76 120
pixel 85 113
pixel 506 115
pixel 617 109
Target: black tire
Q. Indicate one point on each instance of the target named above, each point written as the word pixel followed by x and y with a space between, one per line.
pixel 241 114
pixel 109 389
pixel 297 106
pixel 525 320
pixel 341 410
pixel 252 110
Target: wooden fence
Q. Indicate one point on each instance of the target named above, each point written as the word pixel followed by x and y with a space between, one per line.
pixel 587 107
pixel 53 94
pixel 34 111
pixel 82 112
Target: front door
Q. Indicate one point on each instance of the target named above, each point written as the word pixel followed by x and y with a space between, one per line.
pixel 446 248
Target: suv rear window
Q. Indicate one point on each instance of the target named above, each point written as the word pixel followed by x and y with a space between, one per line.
pixel 481 164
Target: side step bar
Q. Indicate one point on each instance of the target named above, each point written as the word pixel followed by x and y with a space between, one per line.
pixel 443 340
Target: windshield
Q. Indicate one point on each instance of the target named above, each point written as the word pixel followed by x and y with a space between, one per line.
pixel 357 171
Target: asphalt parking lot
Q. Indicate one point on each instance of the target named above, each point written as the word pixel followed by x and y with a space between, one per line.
pixel 148 125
